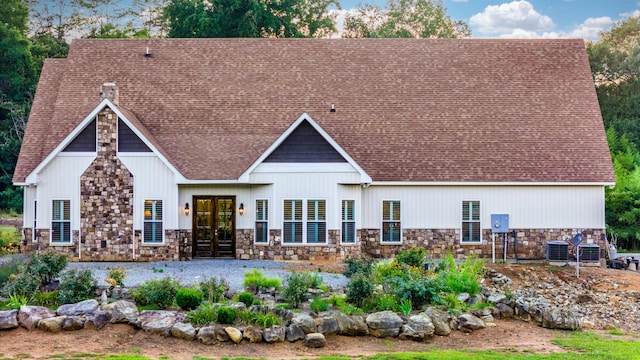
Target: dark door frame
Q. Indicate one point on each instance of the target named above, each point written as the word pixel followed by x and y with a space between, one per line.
pixel 213 220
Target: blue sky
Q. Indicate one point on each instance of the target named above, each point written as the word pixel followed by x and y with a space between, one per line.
pixel 534 18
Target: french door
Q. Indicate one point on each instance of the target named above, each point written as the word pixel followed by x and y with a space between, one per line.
pixel 214 226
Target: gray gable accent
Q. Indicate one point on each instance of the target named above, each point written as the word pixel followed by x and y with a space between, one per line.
pixel 128 141
pixel 305 145
pixel 85 141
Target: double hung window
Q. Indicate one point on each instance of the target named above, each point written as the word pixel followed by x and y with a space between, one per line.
pixel 61 221
pixel 152 232
pixel 471 222
pixel 262 221
pixel 391 221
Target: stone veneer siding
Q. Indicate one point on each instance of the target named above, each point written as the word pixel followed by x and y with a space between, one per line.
pixel 531 242
pixel 247 249
pixel 106 199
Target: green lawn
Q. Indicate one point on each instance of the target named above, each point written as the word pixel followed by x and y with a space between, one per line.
pixel 578 345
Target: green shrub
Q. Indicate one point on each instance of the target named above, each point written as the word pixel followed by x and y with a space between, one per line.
pixel 118 274
pixel 227 315
pixel 454 305
pixel 385 270
pixel 412 257
pixel 359 289
pixel 387 302
pixel 358 265
pixel 466 277
pixel 159 292
pixel 256 278
pixel 204 314
pixel 188 298
pixel 213 289
pixel 76 285
pixel 11 267
pixel 22 283
pixel 297 285
pixel 246 298
pixel 47 265
pixel 420 291
pixel 319 304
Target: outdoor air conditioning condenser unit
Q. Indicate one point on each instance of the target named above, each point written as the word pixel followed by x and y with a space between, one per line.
pixel 589 252
pixel 557 251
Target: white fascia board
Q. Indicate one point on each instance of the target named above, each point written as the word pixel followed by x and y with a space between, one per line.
pixel 208 182
pixel 365 178
pixel 494 183
pixel 178 176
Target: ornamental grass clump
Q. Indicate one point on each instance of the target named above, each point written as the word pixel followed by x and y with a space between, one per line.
pixel 256 279
pixel 206 313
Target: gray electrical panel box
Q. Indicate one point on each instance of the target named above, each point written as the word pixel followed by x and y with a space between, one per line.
pixel 500 223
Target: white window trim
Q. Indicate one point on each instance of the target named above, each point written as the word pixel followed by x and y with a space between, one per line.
pixel 355 228
pixel 462 220
pixel 382 242
pixel 51 242
pixel 305 221
pixel 35 220
pixel 142 242
pixel 255 220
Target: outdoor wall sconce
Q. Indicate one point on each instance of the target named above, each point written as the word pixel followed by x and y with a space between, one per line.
pixel 186 209
pixel 241 209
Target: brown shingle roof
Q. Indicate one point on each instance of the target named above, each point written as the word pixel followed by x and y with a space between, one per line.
pixel 480 110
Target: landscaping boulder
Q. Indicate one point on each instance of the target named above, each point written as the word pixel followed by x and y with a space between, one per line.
pixel 441 321
pixel 97 320
pixel 506 311
pixel 29 316
pixel 294 333
pixel 239 306
pixel 418 327
pixel 305 322
pixel 9 319
pixel 497 298
pixel 351 325
pixel 327 325
pixel 73 323
pixel 285 314
pixel 253 334
pixel 469 322
pixel 159 322
pixel 184 331
pixel 122 311
pixel 275 333
pixel 52 324
pixel 556 318
pixel 486 315
pixel 81 308
pixel 207 335
pixel 220 332
pixel 234 334
pixel 315 340
pixel 384 324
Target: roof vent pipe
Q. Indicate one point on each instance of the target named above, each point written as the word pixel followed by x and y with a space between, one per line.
pixel 110 91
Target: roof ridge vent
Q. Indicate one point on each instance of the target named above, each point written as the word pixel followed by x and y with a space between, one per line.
pixel 109 91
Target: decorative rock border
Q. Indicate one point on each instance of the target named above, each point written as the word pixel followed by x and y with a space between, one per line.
pixel 309 327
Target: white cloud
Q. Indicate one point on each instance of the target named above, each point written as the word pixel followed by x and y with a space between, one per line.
pixel 590 29
pixel 514 18
pixel 634 13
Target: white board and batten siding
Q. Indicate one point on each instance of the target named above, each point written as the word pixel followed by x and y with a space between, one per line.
pixel 152 180
pixel 59 180
pixel 529 207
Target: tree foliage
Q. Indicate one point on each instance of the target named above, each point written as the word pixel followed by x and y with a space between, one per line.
pixel 249 18
pixel 615 64
pixel 404 19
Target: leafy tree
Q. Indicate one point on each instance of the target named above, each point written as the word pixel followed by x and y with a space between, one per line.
pixel 113 31
pixel 623 201
pixel 404 19
pixel 249 18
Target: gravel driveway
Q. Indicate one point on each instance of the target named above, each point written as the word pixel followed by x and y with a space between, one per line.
pixel 194 271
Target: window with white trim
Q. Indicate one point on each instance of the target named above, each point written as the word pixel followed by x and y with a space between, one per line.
pixel 316 221
pixel 310 228
pixel 391 221
pixel 292 226
pixel 61 221
pixel 262 221
pixel 471 232
pixel 348 222
pixel 152 231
